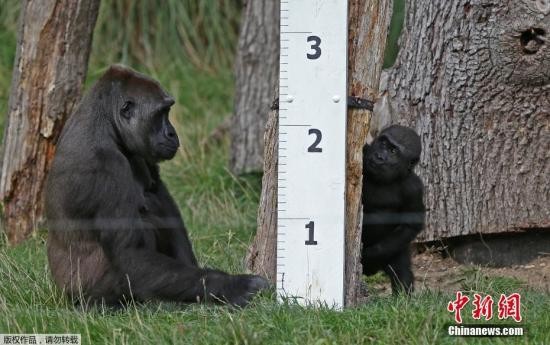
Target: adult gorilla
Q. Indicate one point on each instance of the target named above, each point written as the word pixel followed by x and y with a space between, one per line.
pixel 115 232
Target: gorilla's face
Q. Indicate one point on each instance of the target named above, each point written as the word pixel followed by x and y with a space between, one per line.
pixel 142 121
pixel 384 160
pixel 162 137
pixel 393 154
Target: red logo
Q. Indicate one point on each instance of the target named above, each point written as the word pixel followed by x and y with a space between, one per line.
pixel 483 307
pixel 508 306
pixel 457 305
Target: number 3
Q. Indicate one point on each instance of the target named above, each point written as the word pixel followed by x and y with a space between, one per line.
pixel 315 47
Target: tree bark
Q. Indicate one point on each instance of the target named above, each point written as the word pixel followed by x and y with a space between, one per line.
pixel 368 25
pixel 262 254
pixel 51 62
pixel 473 78
pixel 368 28
pixel 257 72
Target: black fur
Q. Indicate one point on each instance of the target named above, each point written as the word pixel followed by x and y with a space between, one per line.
pixel 393 207
pixel 115 232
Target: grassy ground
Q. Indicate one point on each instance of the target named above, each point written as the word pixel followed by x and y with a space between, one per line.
pixel 220 211
pixel 30 303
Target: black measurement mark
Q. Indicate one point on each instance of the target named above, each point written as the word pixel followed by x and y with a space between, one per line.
pixel 282 281
pixel 311 227
pixel 315 46
pixel 318 136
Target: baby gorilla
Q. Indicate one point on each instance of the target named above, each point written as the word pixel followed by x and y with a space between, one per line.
pixel 393 208
pixel 115 233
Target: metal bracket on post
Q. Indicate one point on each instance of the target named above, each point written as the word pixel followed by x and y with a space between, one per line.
pixel 353 103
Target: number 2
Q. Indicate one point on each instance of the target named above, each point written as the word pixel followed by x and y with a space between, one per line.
pixel 315 46
pixel 318 135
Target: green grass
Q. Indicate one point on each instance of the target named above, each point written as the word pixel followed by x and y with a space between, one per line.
pixel 29 302
pixel 219 209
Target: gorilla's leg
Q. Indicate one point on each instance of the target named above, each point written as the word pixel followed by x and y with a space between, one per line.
pixel 146 275
pixel 400 273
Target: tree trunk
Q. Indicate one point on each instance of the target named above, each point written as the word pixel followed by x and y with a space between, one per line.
pixel 368 25
pixel 473 77
pixel 262 254
pixel 368 29
pixel 257 72
pixel 51 62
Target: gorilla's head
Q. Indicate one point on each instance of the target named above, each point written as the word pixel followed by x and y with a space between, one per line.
pixel 393 154
pixel 140 110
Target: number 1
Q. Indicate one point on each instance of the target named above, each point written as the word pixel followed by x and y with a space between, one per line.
pixel 311 227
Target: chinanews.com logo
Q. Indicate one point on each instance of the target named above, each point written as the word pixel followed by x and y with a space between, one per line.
pixel 508 307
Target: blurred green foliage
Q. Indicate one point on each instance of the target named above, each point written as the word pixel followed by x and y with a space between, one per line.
pixel 189 45
pixel 9 12
pixel 154 33
pixel 396 26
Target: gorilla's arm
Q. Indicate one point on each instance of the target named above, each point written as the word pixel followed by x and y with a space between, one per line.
pixel 161 213
pixel 411 222
pixel 364 188
pixel 128 244
pixel 395 243
pixel 164 213
pixel 152 274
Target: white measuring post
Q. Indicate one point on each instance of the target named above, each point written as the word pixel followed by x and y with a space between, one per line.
pixel 312 151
